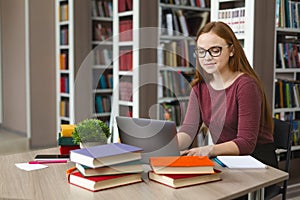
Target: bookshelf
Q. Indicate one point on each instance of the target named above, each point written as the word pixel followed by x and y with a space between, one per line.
pixel 134 59
pixel 65 63
pixel 102 67
pixel 178 25
pixel 125 65
pixel 287 66
pixel 72 47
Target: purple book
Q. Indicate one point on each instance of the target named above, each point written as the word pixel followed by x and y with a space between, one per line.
pixel 105 155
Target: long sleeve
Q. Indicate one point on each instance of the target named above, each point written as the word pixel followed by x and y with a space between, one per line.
pixel 192 120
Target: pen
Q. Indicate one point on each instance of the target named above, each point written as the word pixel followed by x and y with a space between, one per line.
pixel 219 162
pixel 47 161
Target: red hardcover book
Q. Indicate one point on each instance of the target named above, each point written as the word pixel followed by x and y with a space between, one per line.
pixel 121 5
pixel 128 4
pixel 183 180
pixel 62 85
pixel 182 165
pixel 66 149
pixel 97 183
pixel 125 29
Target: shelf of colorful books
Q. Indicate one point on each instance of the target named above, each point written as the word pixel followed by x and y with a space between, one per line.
pixel 286 101
pixel 102 70
pixel 126 76
pixel 64 67
pixel 287 14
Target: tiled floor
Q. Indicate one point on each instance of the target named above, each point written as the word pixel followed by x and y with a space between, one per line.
pixel 11 143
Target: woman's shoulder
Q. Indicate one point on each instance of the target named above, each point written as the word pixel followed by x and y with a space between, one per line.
pixel 244 78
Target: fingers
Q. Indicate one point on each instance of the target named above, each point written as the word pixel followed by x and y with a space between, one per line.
pixel 184 153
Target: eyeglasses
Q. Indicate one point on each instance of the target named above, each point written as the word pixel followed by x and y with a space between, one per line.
pixel 213 51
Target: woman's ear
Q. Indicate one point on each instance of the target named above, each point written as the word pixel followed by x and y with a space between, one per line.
pixel 232 52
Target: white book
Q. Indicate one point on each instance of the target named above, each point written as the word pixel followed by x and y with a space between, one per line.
pixel 241 162
pixel 169 19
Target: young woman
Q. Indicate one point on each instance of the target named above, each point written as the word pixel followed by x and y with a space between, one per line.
pixel 228 98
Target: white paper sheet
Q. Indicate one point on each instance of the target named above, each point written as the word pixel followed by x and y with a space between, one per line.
pixel 241 162
pixel 30 167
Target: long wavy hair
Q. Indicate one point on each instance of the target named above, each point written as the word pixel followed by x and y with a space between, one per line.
pixel 237 62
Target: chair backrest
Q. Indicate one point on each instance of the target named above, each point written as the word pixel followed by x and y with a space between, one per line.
pixel 283 138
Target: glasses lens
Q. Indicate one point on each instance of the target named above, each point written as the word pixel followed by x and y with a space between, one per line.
pixel 200 53
pixel 215 51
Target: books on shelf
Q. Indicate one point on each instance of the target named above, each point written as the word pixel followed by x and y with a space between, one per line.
pixel 234 17
pixel 183 180
pixel 287 14
pixel 97 183
pixel 287 94
pixel 181 22
pixel 182 165
pixel 102 8
pixel 122 168
pixel 104 155
pixel 288 54
pixel 241 162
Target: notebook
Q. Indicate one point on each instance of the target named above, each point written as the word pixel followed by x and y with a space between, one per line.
pixel 155 137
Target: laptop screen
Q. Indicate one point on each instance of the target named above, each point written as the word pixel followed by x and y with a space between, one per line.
pixel 155 137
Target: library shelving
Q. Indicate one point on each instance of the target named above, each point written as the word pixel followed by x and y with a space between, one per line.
pixel 134 68
pixel 286 102
pixel 102 68
pixel 64 54
pixel 178 24
pixel 125 73
pixel 72 47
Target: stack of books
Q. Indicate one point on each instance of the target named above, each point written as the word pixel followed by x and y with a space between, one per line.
pixel 182 171
pixel 65 140
pixel 106 166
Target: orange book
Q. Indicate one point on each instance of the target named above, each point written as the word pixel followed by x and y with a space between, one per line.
pixel 182 165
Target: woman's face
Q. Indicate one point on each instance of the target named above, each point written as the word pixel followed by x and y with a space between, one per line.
pixel 213 53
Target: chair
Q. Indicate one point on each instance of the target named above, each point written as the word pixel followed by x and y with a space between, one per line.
pixel 282 140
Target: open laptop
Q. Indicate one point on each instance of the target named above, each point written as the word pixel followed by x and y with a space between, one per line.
pixel 156 137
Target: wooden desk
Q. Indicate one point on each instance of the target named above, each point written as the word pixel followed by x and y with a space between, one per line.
pixel 51 183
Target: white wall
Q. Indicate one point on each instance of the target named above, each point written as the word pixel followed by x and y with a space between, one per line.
pixel 13 65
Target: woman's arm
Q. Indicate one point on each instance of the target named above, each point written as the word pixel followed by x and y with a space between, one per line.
pixel 184 140
pixel 190 125
pixel 226 148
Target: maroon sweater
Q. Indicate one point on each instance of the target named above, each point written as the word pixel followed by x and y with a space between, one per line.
pixel 232 114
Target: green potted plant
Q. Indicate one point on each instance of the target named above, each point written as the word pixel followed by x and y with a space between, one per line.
pixel 91 132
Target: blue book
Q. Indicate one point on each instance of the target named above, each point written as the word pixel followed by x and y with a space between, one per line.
pixel 105 155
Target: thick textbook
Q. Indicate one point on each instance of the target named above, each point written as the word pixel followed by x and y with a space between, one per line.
pixel 123 168
pixel 96 183
pixel 182 165
pixel 105 155
pixel 241 162
pixel 183 180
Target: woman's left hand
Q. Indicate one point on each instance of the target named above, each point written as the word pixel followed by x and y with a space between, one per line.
pixel 200 151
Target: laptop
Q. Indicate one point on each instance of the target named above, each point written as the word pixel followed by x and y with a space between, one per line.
pixel 155 137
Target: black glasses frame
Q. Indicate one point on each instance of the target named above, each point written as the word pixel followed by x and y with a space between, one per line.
pixel 210 51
